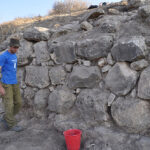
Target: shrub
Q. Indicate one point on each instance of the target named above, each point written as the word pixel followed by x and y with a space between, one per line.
pixel 69 6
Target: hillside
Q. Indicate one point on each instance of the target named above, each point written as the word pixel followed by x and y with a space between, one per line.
pixel 88 70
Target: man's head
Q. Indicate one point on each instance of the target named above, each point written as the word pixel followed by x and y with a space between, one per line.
pixel 14 45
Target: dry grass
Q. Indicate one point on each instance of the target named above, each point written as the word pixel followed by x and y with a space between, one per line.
pixel 69 6
pixel 19 24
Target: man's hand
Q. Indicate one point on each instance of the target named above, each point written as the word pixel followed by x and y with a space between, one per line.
pixel 2 91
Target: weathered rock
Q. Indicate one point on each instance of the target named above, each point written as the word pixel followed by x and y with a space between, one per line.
pixel 82 77
pixel 143 143
pixel 86 63
pixel 110 60
pixel 20 75
pixel 63 30
pixel 86 26
pixel 144 11
pixel 102 62
pixel 36 34
pixel 57 75
pixel 4 45
pixel 68 67
pixel 129 49
pixel 41 99
pixel 95 48
pixel 61 101
pixel 111 98
pixel 92 105
pixel 64 52
pixel 121 79
pixel 24 53
pixel 94 14
pixel 106 68
pixel 143 85
pixel 131 114
pixel 139 65
pixel 133 4
pixel 37 76
pixel 29 96
pixel 41 52
pixel 113 11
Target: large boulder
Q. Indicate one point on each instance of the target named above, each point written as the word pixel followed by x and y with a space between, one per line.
pixel 36 34
pixel 63 52
pixel 41 99
pixel 121 79
pixel 84 77
pixel 109 24
pixel 41 52
pixel 92 105
pixel 131 114
pixel 25 53
pixel 143 85
pixel 63 30
pixel 129 49
pixel 95 48
pixel 95 13
pixel 57 75
pixel 61 101
pixel 37 76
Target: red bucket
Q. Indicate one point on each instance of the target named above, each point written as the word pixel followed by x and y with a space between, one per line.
pixel 73 138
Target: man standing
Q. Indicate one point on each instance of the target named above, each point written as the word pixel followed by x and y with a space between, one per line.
pixel 9 87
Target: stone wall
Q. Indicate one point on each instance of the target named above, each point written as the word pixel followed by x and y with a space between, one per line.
pixel 92 74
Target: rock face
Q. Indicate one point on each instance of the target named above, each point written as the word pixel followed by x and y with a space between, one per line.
pixel 89 72
pixel 143 86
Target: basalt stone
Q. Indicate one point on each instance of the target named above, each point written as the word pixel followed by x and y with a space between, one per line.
pixel 143 85
pixel 121 79
pixel 64 52
pixel 36 34
pixel 61 101
pixel 92 105
pixel 129 49
pixel 133 115
pixel 41 52
pixel 37 76
pixel 84 77
pixel 95 48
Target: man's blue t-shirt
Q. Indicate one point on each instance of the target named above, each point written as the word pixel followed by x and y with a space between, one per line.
pixel 8 62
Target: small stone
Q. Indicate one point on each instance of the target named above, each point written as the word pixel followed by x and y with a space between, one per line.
pixel 139 65
pixel 111 98
pixel 68 68
pixel 51 88
pixel 110 60
pixel 102 62
pixel 106 68
pixel 86 63
pixel 78 90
